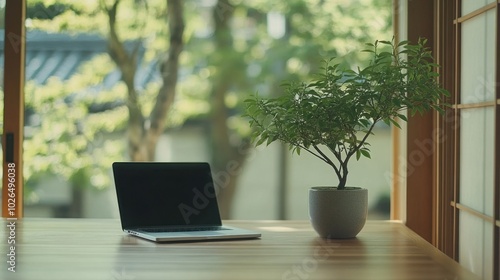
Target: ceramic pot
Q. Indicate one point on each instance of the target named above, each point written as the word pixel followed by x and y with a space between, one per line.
pixel 338 213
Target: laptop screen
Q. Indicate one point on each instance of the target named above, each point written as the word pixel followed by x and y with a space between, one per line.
pixel 154 194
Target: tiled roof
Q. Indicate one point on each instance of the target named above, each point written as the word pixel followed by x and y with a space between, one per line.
pixel 60 55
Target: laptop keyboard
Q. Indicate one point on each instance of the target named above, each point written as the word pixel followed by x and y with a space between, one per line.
pixel 183 229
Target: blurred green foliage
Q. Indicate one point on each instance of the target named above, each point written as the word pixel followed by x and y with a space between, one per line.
pixel 69 141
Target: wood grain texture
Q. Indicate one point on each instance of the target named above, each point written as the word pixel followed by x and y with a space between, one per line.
pixel 13 88
pixel 98 249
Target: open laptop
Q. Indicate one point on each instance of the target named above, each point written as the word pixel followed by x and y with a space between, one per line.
pixel 165 201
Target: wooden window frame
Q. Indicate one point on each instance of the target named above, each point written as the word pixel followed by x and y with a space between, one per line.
pixel 443 231
pixel 496 233
pixel 419 180
pixel 445 237
pixel 13 125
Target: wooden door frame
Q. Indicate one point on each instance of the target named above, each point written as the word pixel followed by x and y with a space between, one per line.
pixel 420 150
pixel 445 237
pixel 13 119
pixel 447 229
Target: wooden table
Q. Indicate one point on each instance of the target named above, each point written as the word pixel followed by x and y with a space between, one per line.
pixel 70 249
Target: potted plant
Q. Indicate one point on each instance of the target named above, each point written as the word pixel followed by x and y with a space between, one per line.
pixel 332 116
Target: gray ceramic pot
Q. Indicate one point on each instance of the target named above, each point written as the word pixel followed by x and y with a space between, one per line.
pixel 338 214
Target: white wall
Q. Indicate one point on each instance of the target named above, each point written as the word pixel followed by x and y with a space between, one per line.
pixel 257 195
pixel 402 30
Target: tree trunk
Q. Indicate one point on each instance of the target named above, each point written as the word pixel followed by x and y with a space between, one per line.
pixel 227 169
pixel 143 139
pixel 169 70
pixel 74 210
pixel 227 157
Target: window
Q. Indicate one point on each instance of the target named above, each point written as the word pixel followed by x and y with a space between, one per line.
pixel 2 26
pixel 464 199
pixel 467 220
pixel 13 100
pixel 247 24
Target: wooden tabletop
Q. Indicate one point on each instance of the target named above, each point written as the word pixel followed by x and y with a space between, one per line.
pixel 70 249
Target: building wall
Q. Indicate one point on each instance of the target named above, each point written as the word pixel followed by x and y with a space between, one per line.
pixel 257 193
pixel 256 197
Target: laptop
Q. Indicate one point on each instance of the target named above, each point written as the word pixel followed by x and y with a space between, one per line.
pixel 167 201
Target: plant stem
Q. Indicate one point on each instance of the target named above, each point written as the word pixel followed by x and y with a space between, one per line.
pixel 375 120
pixel 343 178
pixel 329 161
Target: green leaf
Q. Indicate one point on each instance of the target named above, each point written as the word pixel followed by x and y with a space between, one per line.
pixel 403 117
pixel 365 153
pixel 405 42
pixel 262 138
pixel 395 123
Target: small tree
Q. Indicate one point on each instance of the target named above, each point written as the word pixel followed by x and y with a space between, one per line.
pixel 332 116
